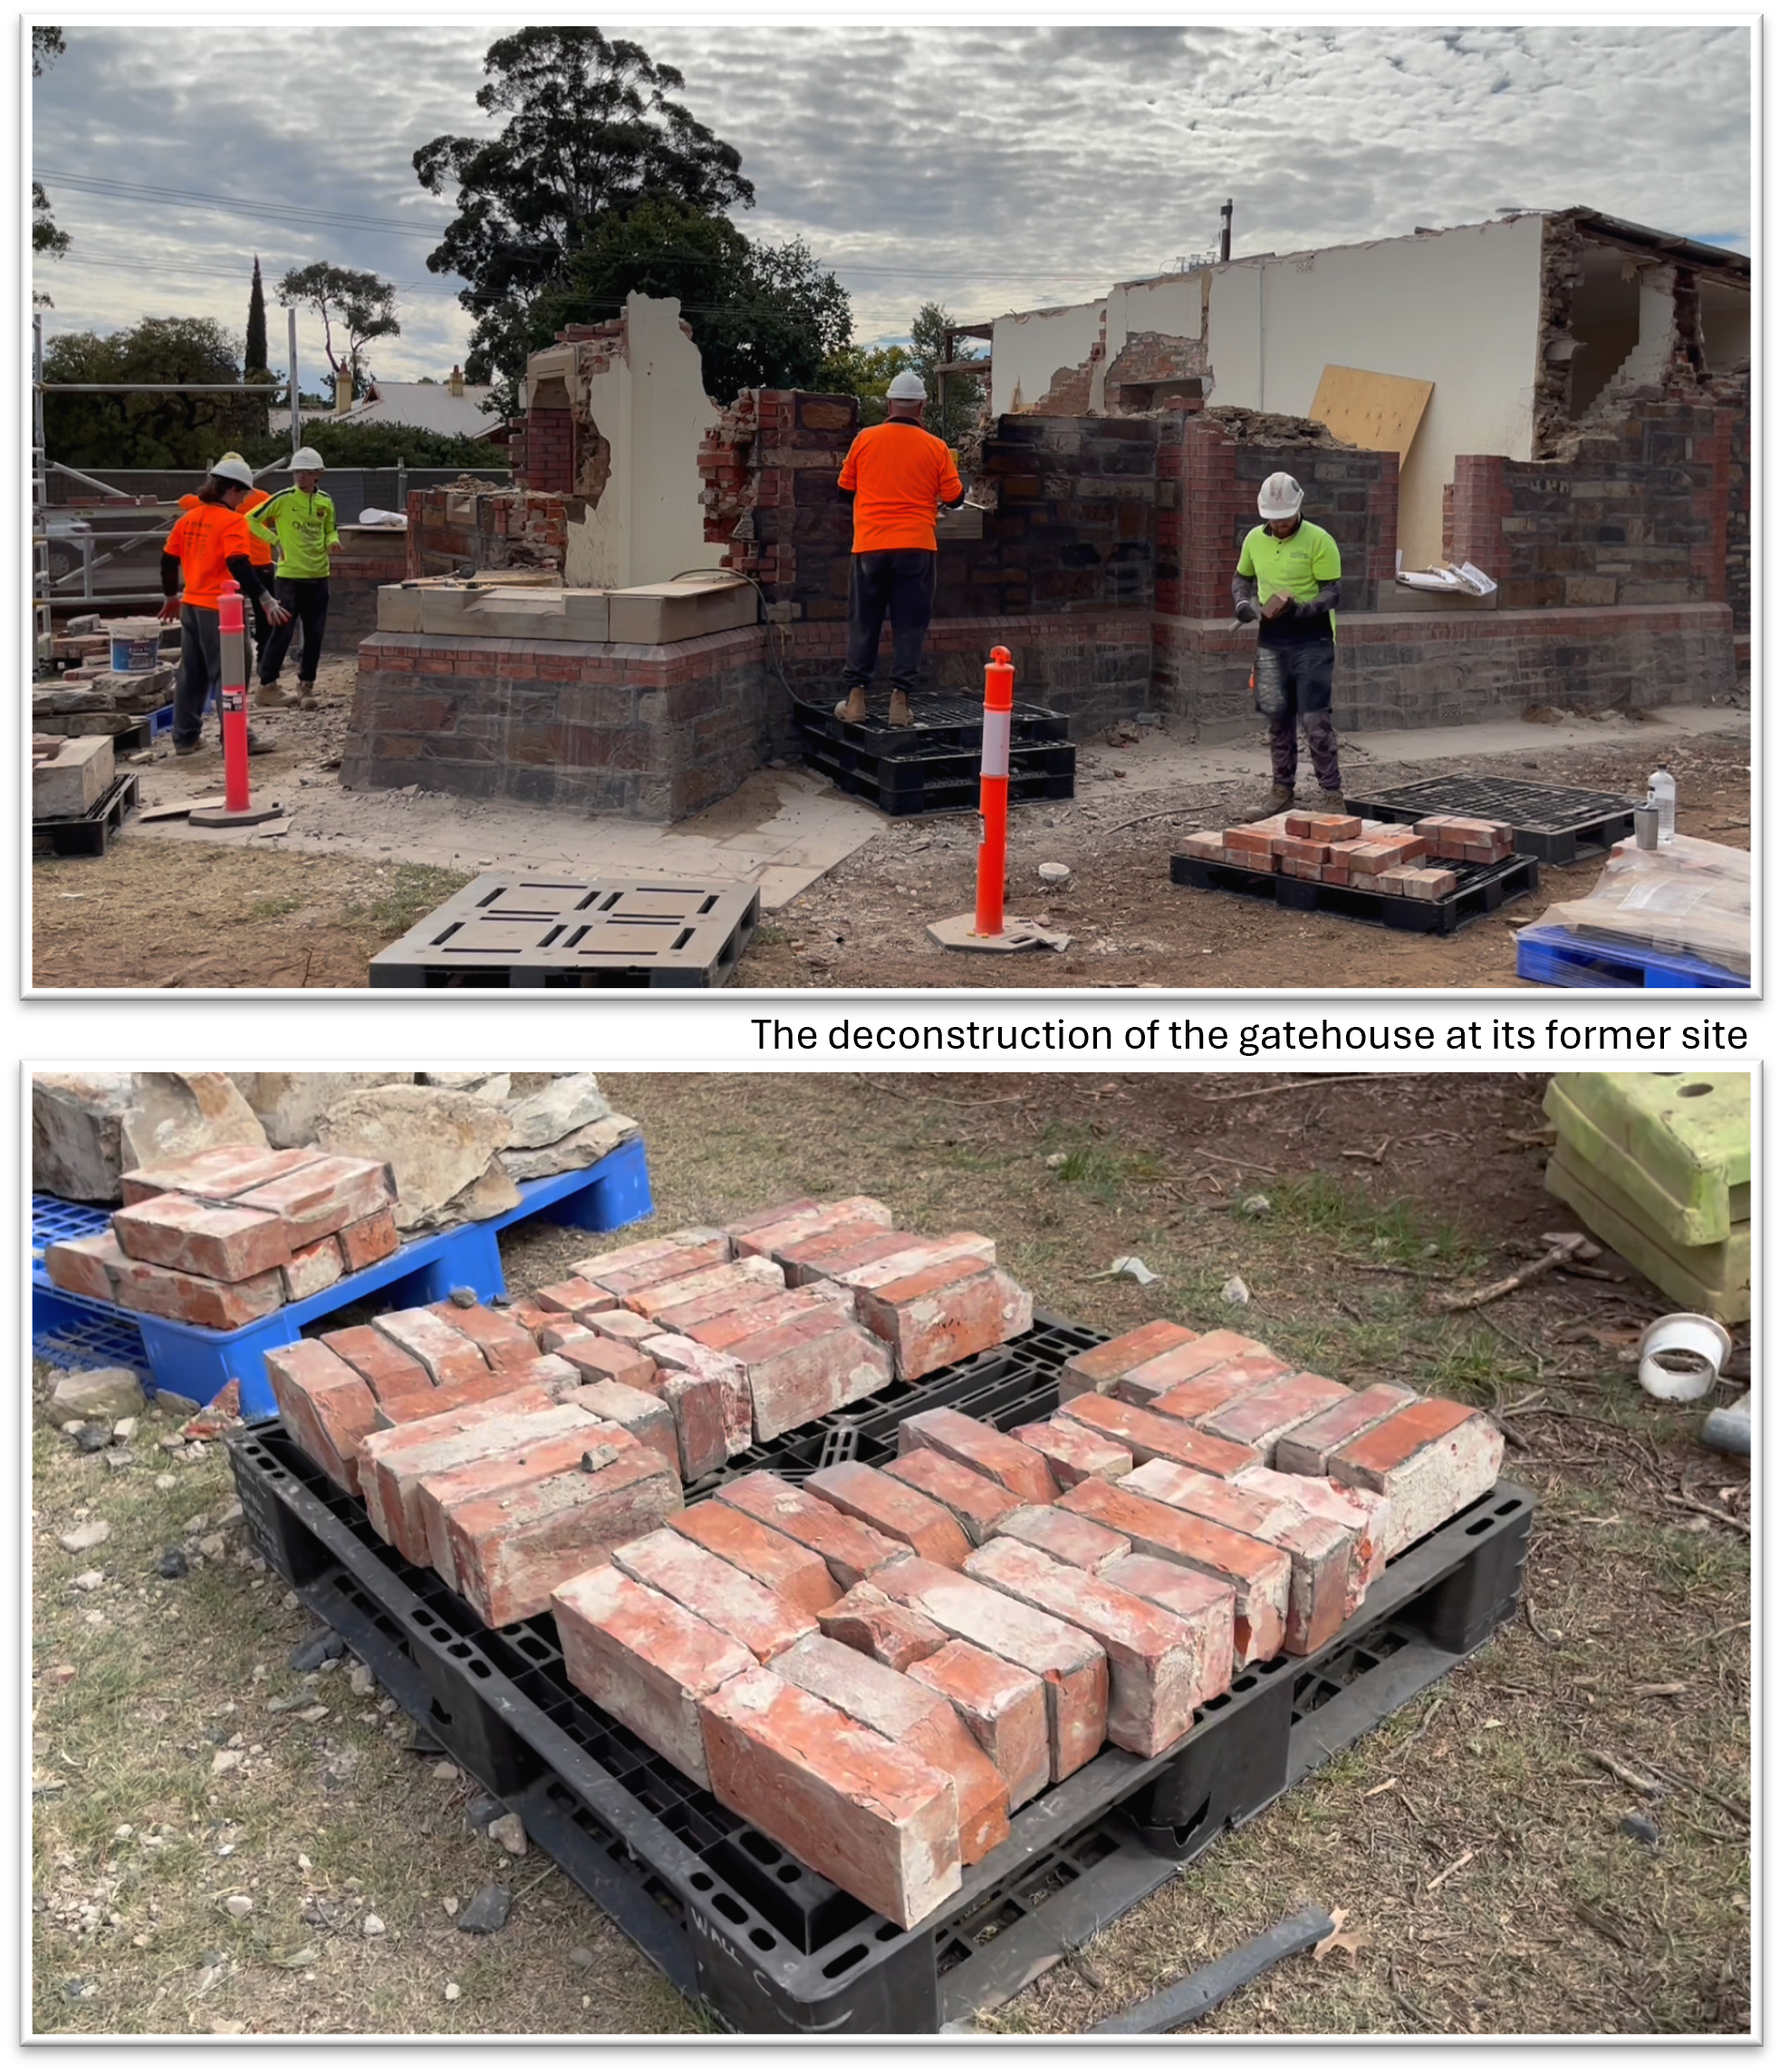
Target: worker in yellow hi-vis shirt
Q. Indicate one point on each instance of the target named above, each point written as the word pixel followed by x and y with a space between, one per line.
pixel 1287 579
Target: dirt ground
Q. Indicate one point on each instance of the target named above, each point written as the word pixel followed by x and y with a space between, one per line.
pixel 158 915
pixel 1475 1840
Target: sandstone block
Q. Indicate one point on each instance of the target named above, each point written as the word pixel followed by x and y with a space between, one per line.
pixel 435 1141
pixel 853 1551
pixel 988 1452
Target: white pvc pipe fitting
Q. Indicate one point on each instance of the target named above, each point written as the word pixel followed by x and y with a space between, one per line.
pixel 1681 1354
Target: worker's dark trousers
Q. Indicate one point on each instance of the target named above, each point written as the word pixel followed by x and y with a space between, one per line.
pixel 201 671
pixel 896 583
pixel 1292 688
pixel 257 611
pixel 307 600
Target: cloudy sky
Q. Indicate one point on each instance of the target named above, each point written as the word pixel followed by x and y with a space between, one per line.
pixel 989 169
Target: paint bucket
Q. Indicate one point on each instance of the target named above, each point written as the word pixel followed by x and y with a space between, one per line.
pixel 136 645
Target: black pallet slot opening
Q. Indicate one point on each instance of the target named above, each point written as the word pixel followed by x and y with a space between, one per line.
pixel 1556 823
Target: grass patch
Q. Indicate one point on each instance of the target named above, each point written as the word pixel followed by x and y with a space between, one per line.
pixel 273 909
pixel 414 890
pixel 1389 1234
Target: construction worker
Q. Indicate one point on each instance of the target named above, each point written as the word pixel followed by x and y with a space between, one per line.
pixel 898 475
pixel 209 546
pixel 1288 579
pixel 259 552
pixel 301 521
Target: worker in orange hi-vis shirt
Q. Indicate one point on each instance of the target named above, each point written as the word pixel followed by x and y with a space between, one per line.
pixel 207 548
pixel 261 558
pixel 898 475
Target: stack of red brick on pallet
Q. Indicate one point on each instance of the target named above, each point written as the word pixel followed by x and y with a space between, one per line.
pixel 1461 838
pixel 1338 848
pixel 224 1236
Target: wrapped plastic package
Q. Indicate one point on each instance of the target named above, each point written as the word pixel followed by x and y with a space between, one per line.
pixel 1688 898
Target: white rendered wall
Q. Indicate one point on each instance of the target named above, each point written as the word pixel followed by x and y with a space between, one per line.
pixel 1173 306
pixel 1028 351
pixel 1460 309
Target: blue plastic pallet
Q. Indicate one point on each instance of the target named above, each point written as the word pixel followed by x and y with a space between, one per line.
pixel 189 1360
pixel 1555 956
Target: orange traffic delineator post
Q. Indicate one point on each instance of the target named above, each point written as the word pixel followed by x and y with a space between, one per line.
pixel 986 927
pixel 238 810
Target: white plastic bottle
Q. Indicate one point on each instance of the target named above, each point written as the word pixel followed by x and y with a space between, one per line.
pixel 1662 791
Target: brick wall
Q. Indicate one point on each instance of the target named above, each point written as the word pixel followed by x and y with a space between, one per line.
pixel 355 583
pixel 1422 669
pixel 600 726
pixel 1652 508
pixel 507 528
pixel 548 460
pixel 770 495
pixel 1209 482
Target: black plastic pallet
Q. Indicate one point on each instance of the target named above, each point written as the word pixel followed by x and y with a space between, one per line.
pixel 1481 888
pixel 1552 822
pixel 735 1921
pixel 88 833
pixel 908 772
pixel 937 794
pixel 941 719
pixel 505 931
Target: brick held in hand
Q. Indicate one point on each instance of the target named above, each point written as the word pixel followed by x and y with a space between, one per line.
pixel 1075 1453
pixel 382 1363
pixel 1219 1388
pixel 875 1819
pixel 1098 1369
pixel 1144 1383
pixel 318 1199
pixel 713 1587
pixel 1072 1668
pixel 1431 1459
pixel 1305 1450
pixel 789 1571
pixel 393 1458
pixel 191 1298
pixel 516 1466
pixel 569 1295
pixel 503 1342
pixel 984 1448
pixel 764 1239
pixel 441 1347
pixel 512 1553
pixel 367 1242
pixel 977 1504
pixel 1204 1605
pixel 893 1509
pixel 1004 1708
pixel 645 1661
pixel 1077 1542
pixel 1150 1436
pixel 324 1405
pixel 1365 1515
pixel 870 1620
pixel 219 1175
pixel 921 1721
pixel 86 1265
pixel 1152 1658
pixel 646 1419
pixel 1260 1419
pixel 221 1241
pixel 853 1551
pixel 313 1269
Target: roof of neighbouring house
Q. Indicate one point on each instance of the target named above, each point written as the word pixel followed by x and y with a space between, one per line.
pixel 425 406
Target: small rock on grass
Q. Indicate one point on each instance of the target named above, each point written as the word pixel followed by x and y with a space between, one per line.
pixel 444 1773
pixel 94 1533
pixel 239 1907
pixel 88 1579
pixel 583 1958
pixel 485 1912
pixel 510 1834
pixel 92 1438
pixel 361 1681
pixel 450 1992
pixel 323 1646
pixel 172 1565
pixel 372 1925
pixel 1638 1828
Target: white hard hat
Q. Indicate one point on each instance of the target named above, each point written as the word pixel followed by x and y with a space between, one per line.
pixel 232 467
pixel 309 459
pixel 1280 497
pixel 906 387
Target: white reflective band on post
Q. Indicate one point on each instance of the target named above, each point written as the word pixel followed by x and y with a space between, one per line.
pixel 996 742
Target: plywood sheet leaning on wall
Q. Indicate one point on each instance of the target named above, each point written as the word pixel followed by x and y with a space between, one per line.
pixel 1378 411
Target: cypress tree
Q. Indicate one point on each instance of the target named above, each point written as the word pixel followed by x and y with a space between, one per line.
pixel 255 356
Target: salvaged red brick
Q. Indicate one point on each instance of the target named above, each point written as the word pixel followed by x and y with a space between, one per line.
pixel 1079 1542
pixel 1364 1513
pixel 517 1466
pixel 487 1385
pixel 977 1504
pixel 1142 1384
pixel 1072 1668
pixel 599 1358
pixel 1097 1369
pixel 560 1328
pixel 709 1399
pixel 762 1219
pixel 187 1298
pixel 1305 1450
pixel 714 1288
pixel 219 1175
pixel 982 1447
pixel 498 1337
pixel 1205 1607
pixel 572 1295
pixel 512 1553
pixel 324 1405
pixel 799 1367
pixel 1260 1575
pixel 1153 1437
pixel 86 1265
pixel 944 1313
pixel 893 1509
pixel 831 1258
pixel 646 1419
pixel 770 1557
pixel 1261 1419
pixel 870 1620
pixel 1075 1453
pixel 317 1199
pixel 763 1239
pixel 913 1717
pixel 645 1661
pixel 385 1367
pixel 1229 1382
pixel 802 1261
pixel 870 1816
pixel 1152 1658
pixel 1003 1707
pixel 221 1241
pixel 1431 1459
pixel 632 1266
pixel 312 1269
pixel 441 1347
pixel 782 1307
pixel 558 1378
pixel 391 1460
pixel 364 1244
pixel 919 1256
pixel 853 1551
pixel 623 1326
pixel 715 1589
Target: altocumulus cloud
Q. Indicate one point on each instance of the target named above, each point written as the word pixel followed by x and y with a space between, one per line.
pixel 987 167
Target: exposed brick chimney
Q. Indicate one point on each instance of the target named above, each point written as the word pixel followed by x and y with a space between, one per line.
pixel 344 391
pixel 457 383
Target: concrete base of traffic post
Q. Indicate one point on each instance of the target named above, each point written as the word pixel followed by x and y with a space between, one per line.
pixel 958 932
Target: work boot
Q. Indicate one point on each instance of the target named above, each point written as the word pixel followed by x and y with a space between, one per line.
pixel 187 747
pixel 271 695
pixel 1279 800
pixel 259 745
pixel 307 697
pixel 900 713
pixel 855 709
pixel 1329 802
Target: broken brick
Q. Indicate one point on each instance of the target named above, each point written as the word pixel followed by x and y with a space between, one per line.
pixel 1003 1708
pixel 1431 1459
pixel 870 1620
pixel 445 1350
pixel 1153 1437
pixel 732 1601
pixel 893 1509
pixel 645 1661
pixel 312 1269
pixel 222 1241
pixel 853 1551
pixel 369 1240
pixel 977 1504
pixel 1073 1453
pixel 1079 1542
pixel 709 1400
pixel 1305 1450
pixel 983 1448
pixel 86 1265
pixel 385 1367
pixel 770 1557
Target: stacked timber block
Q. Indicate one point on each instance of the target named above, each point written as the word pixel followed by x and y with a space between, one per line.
pixel 1372 856
pixel 1659 1165
pixel 224 1236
